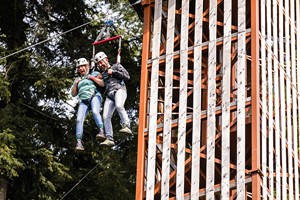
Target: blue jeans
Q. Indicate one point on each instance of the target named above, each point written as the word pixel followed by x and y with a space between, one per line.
pixel 109 108
pixel 83 109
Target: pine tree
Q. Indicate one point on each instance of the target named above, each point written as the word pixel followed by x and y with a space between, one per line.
pixel 37 123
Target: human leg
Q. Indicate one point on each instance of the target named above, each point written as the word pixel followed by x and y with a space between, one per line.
pixel 108 110
pixel 120 98
pixel 81 113
pixel 95 107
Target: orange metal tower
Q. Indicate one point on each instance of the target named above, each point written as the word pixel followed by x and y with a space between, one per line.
pixel 219 100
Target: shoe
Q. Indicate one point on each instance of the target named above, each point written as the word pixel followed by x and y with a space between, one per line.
pixel 100 136
pixel 79 146
pixel 125 130
pixel 108 143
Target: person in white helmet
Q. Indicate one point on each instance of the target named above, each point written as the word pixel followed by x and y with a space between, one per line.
pixel 116 95
pixel 90 99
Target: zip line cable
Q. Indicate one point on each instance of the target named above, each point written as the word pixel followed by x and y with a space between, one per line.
pixel 116 147
pixel 55 36
pixel 82 179
pixel 46 40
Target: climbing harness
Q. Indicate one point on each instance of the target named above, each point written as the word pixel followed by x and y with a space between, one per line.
pixel 104 37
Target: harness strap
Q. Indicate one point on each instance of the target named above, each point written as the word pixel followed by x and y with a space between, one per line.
pixel 88 101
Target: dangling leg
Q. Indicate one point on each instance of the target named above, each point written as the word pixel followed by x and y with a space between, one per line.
pixel 81 113
pixel 95 106
pixel 109 108
pixel 120 98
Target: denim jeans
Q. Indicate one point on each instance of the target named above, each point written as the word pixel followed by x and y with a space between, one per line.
pixel 83 109
pixel 109 108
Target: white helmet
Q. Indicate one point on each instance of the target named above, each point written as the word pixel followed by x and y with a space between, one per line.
pixel 81 61
pixel 100 56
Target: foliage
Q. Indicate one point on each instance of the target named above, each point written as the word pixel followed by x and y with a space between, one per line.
pixel 37 124
pixel 4 91
pixel 9 165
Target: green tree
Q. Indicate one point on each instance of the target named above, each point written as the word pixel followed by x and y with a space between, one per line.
pixel 34 99
pixel 9 164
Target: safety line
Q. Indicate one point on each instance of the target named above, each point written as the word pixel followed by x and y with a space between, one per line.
pixel 114 148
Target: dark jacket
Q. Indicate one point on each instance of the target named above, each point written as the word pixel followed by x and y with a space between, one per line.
pixel 116 81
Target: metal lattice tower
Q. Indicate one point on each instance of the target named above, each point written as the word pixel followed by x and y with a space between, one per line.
pixel 220 100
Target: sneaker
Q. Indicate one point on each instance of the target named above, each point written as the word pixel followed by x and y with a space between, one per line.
pixel 125 130
pixel 100 136
pixel 79 146
pixel 108 143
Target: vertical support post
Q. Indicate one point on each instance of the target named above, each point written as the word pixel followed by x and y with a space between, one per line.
pixel 294 134
pixel 255 125
pixel 282 190
pixel 167 132
pixel 270 93
pixel 241 93
pixel 143 104
pixel 197 98
pixel 225 189
pixel 263 96
pixel 211 105
pixel 152 133
pixel 297 143
pixel 276 103
pixel 182 99
pixel 288 99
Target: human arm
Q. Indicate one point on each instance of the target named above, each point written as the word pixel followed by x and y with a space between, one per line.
pixel 74 90
pixel 97 79
pixel 118 71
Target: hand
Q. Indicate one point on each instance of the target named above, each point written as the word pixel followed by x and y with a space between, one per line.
pixel 109 71
pixel 90 77
pixel 78 80
pixel 99 76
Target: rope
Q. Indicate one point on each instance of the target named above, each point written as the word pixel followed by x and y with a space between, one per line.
pixel 116 147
